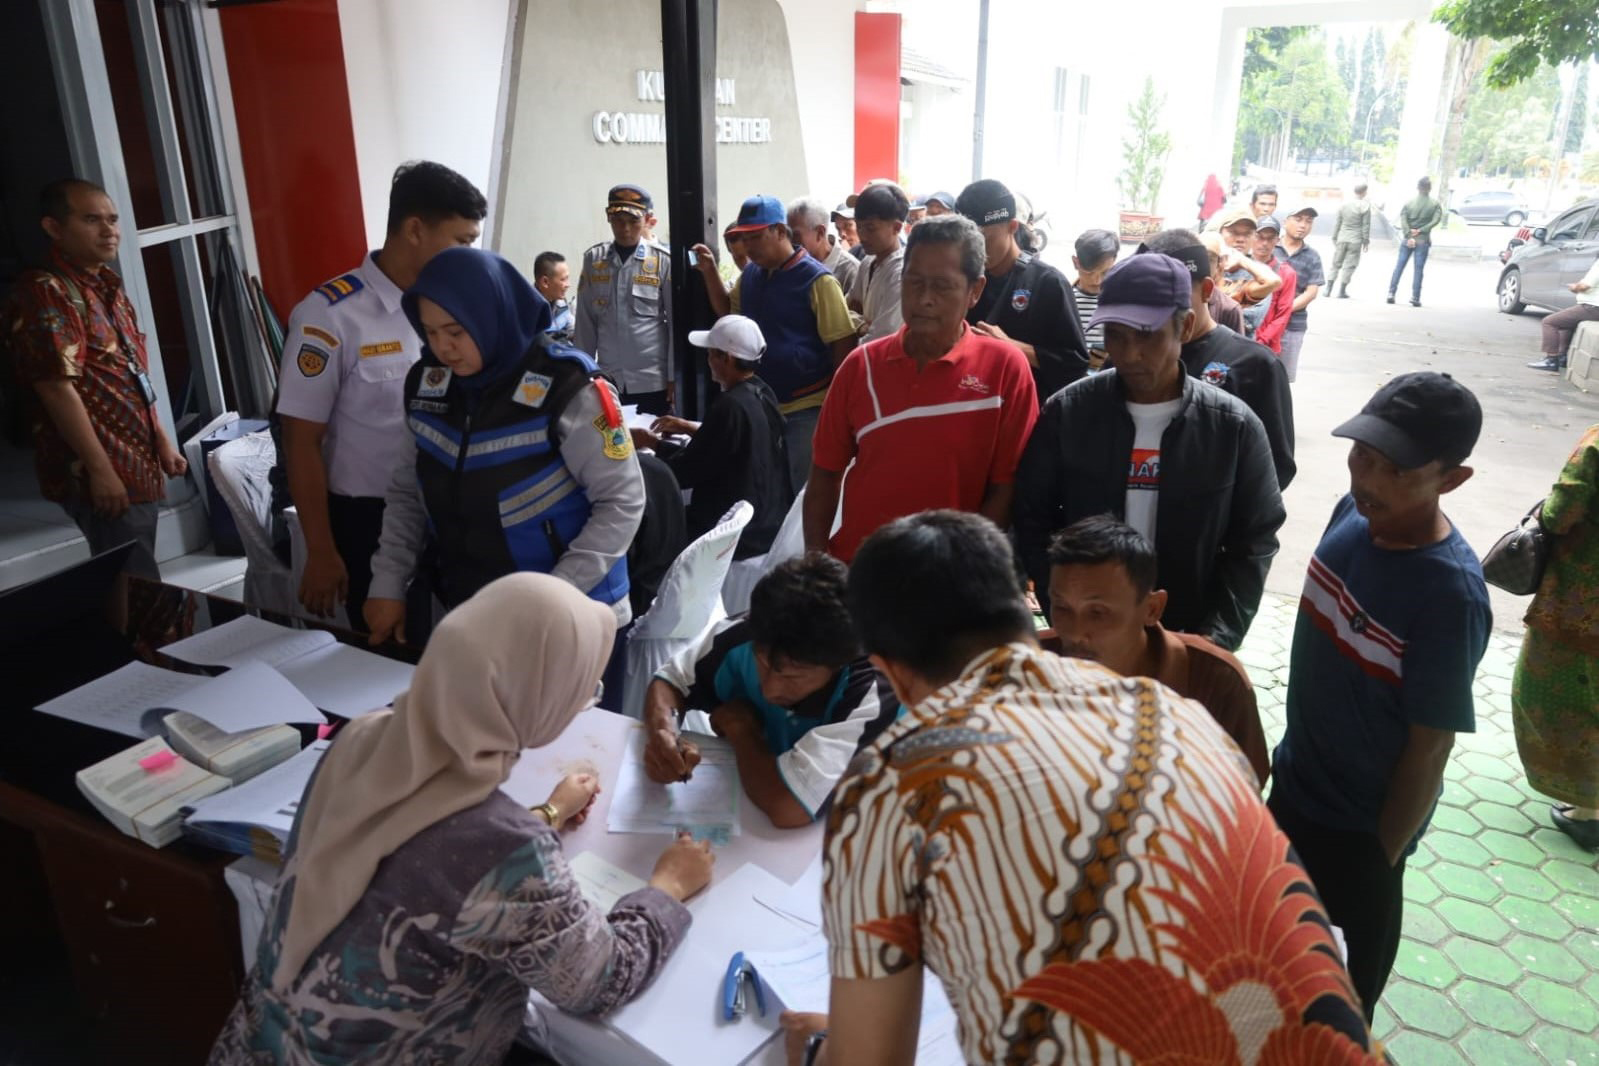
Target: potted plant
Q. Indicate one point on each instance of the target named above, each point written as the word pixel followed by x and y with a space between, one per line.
pixel 1144 152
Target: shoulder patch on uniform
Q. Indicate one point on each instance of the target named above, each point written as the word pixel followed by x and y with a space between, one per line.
pixel 320 334
pixel 311 360
pixel 342 287
pixel 1215 373
pixel 618 442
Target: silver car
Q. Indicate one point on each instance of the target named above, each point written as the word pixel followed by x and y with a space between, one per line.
pixel 1556 255
pixel 1495 205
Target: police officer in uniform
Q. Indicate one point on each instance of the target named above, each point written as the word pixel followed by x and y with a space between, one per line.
pixel 339 413
pixel 517 459
pixel 624 304
pixel 1025 301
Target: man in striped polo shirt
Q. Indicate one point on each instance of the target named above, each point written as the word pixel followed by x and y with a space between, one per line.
pixel 934 415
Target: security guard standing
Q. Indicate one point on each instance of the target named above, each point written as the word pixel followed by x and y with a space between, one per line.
pixel 1026 301
pixel 340 409
pixel 517 459
pixel 624 304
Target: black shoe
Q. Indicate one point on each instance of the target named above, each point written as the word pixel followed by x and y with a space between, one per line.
pixel 1415 303
pixel 1545 364
pixel 1390 297
pixel 1584 831
pixel 1343 293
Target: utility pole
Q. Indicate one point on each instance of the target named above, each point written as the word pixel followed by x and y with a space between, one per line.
pixel 982 89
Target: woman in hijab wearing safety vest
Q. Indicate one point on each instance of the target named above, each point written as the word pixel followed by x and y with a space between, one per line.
pixel 418 902
pixel 520 460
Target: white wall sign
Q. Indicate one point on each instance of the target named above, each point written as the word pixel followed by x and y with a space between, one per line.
pixel 649 127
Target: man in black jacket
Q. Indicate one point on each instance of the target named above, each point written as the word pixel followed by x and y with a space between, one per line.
pixel 738 452
pixel 1235 364
pixel 1025 301
pixel 1185 464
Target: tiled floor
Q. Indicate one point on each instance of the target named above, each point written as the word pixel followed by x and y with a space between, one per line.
pixel 1500 961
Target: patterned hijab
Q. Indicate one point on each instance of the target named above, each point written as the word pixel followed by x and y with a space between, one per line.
pixel 509 669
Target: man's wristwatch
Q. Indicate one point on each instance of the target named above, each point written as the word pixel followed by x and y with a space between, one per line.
pixel 551 814
pixel 813 1046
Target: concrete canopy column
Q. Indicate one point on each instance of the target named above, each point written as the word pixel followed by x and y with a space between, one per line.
pixel 1418 126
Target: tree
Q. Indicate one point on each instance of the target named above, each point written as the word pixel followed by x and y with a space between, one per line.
pixel 1144 152
pixel 1505 127
pixel 1539 31
pixel 1294 103
pixel 1579 112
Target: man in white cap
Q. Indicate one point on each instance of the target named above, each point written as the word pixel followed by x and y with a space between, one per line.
pixel 737 453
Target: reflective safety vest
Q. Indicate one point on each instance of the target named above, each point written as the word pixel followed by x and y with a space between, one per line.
pixel 499 498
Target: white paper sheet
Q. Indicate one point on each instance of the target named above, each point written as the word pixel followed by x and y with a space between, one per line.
pixel 248 696
pixel 347 681
pixel 248 639
pixel 798 977
pixel 602 882
pixel 705 805
pixel 632 418
pixel 269 800
pixel 118 700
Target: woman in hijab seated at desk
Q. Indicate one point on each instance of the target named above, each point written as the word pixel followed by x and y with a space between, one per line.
pixel 418 903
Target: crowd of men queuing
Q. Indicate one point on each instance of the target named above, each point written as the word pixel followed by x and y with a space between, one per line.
pixel 970 429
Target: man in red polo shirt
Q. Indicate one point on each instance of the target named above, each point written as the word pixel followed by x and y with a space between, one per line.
pixel 933 416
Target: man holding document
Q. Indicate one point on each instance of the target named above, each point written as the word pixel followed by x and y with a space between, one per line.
pixel 787 687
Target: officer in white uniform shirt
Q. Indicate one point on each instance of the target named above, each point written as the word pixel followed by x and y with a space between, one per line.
pixel 624 304
pixel 340 407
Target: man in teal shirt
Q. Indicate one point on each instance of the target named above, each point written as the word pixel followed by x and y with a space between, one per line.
pixel 1417 220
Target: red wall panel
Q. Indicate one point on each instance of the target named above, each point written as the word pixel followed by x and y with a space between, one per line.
pixel 292 103
pixel 876 97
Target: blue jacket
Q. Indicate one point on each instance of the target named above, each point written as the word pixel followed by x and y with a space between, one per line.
pixel 798 361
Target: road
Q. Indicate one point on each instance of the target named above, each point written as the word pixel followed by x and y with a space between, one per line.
pixel 1531 419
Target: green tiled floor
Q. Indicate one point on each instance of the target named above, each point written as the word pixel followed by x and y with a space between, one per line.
pixel 1500 961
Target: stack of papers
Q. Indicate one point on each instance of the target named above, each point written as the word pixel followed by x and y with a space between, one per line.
pixel 134 700
pixel 236 756
pixel 143 791
pixel 340 679
pixel 256 817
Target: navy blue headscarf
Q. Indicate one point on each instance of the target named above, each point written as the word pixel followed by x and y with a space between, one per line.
pixel 491 300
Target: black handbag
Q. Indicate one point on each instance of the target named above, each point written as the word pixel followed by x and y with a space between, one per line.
pixel 1516 561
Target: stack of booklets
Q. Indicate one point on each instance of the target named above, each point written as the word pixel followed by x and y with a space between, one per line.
pixel 144 790
pixel 256 817
pixel 236 756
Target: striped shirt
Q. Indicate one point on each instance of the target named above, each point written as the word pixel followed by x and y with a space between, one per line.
pixel 1087 304
pixel 1084 861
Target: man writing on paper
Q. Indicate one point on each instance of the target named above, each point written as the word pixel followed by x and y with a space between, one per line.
pixel 1083 862
pixel 786 686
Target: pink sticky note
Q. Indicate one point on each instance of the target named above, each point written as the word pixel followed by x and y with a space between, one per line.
pixel 324 730
pixel 159 761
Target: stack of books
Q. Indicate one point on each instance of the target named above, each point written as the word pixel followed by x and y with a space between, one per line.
pixel 144 790
pixel 236 756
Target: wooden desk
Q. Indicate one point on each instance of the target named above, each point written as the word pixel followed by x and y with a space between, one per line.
pixel 151 934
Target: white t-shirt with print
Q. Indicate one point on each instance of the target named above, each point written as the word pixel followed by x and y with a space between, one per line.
pixel 1143 466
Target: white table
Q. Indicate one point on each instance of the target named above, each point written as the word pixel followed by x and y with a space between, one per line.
pixel 595 742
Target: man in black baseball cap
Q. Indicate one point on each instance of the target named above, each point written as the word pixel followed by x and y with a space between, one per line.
pixel 1025 300
pixel 1185 464
pixel 1392 625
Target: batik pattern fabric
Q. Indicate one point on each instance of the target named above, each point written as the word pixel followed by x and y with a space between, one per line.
pixel 1554 697
pixel 68 324
pixel 435 962
pixel 1084 861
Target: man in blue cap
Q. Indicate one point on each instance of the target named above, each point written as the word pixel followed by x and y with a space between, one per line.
pixel 624 304
pixel 801 312
pixel 1182 462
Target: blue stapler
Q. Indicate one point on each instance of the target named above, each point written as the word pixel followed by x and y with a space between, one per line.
pixel 735 1000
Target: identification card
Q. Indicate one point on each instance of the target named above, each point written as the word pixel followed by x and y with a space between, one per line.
pixel 145 387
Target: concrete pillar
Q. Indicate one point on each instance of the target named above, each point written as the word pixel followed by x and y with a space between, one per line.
pixel 1224 97
pixel 1418 126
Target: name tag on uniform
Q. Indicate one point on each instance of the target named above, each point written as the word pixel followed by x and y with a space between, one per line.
pixel 382 348
pixel 532 389
pixel 435 381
